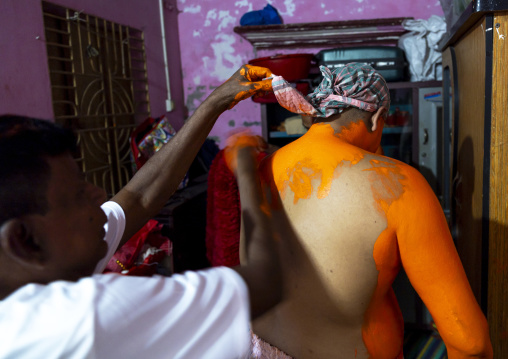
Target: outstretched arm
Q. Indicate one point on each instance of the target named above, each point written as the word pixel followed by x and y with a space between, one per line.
pixel 151 187
pixel 434 268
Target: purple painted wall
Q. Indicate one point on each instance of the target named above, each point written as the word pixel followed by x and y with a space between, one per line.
pixel 24 78
pixel 211 51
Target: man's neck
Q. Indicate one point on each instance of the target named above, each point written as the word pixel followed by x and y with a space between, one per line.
pixel 354 133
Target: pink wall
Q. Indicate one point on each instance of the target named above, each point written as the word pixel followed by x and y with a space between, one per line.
pixel 211 51
pixel 24 78
pixel 203 50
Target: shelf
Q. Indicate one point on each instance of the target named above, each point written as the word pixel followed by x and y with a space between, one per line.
pixel 395 130
pixel 280 134
pixel 386 130
pixel 371 32
pixel 415 84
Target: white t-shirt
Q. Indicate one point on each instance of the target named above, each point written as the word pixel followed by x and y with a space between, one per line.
pixel 114 228
pixel 202 314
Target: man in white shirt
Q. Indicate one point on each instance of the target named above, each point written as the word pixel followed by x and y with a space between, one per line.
pixel 54 235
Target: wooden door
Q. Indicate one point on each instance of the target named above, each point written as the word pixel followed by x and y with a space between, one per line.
pixel 498 188
pixel 477 64
pixel 468 74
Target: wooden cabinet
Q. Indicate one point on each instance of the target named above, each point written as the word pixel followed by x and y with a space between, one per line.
pixel 475 71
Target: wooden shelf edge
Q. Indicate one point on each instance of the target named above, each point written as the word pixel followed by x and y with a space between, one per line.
pixel 325 34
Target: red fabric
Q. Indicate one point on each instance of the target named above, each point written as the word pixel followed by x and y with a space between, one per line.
pixel 149 243
pixel 223 214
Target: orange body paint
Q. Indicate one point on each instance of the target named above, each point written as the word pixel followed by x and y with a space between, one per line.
pixel 250 82
pixel 299 175
pixel 416 236
pixel 357 134
pixel 237 141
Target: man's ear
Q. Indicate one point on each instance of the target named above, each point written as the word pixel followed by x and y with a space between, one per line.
pixel 17 242
pixel 380 113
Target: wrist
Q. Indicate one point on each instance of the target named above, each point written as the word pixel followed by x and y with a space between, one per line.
pixel 221 98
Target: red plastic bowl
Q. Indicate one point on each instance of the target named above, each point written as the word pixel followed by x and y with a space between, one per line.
pixel 292 67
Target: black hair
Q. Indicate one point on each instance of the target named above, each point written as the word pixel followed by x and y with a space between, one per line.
pixel 347 115
pixel 25 143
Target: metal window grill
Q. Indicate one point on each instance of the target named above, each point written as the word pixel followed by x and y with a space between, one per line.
pixel 99 89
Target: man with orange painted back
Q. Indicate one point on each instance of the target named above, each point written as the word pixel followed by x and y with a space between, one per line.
pixel 358 217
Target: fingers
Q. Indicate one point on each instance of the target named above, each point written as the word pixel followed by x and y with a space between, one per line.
pixel 263 86
pixel 260 77
pixel 249 89
pixel 256 73
pixel 248 81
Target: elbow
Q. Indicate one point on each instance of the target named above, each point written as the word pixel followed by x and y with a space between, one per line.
pixel 483 349
pixel 483 352
pixel 482 345
pixel 476 345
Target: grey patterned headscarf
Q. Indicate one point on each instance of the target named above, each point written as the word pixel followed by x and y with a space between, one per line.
pixel 355 84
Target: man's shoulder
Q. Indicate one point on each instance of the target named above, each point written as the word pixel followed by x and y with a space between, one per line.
pixel 391 176
pixel 392 165
pixel 402 179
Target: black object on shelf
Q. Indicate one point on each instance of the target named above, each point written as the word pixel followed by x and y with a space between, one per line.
pixel 389 61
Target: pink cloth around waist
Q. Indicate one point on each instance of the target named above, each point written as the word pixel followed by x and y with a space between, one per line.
pixel 264 350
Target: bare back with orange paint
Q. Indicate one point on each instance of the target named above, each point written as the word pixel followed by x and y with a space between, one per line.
pixel 348 208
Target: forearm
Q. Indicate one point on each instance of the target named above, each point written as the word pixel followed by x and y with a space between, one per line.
pixel 158 179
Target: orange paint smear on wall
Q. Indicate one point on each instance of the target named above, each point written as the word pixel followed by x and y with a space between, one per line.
pixel 318 153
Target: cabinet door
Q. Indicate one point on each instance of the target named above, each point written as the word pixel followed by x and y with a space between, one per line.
pixel 467 70
pixel 477 64
pixel 498 197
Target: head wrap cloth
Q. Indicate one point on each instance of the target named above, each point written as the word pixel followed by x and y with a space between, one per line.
pixel 354 85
